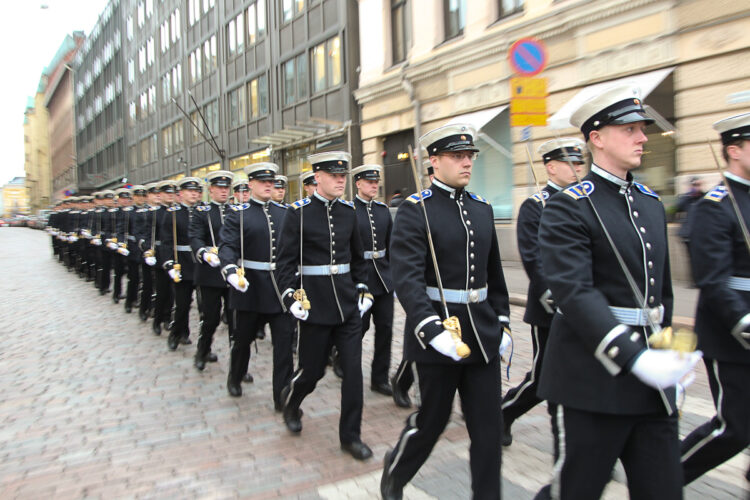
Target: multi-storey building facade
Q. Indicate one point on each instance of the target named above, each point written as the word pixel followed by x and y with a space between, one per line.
pixel 36 150
pixel 99 104
pixel 58 99
pixel 258 80
pixel 427 63
pixel 14 198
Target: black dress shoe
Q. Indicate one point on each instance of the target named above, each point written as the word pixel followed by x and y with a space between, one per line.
pixel 357 449
pixel 234 389
pixel 507 436
pixel 388 488
pixel 211 358
pixel 156 328
pixel 128 308
pixel 172 342
pixel 293 419
pixel 115 299
pixel 381 388
pixel 103 292
pixel 185 341
pixel 248 378
pixel 261 334
pixel 143 315
pixel 401 398
pixel 199 363
pixel 337 370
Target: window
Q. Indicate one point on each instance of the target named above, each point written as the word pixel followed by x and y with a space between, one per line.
pixel 237 107
pixel 288 82
pixel 240 32
pixel 177 80
pixel 261 17
pixel 133 157
pixel 166 87
pixel 145 153
pixel 326 60
pixel 152 99
pixel 252 29
pixel 178 130
pixel 164 38
pixel 154 148
pixel 141 14
pixel 211 112
pixel 149 8
pixel 150 51
pixel 131 71
pixel 455 17
pixel 301 76
pixel 144 104
pixel 232 37
pixel 400 29
pixel 132 114
pixel 166 140
pixel 142 59
pixel 509 7
pixel 287 11
pixel 258 96
pixel 174 25
pixel 196 126
pixel 208 5
pixel 129 27
pixel 194 11
pixel 195 60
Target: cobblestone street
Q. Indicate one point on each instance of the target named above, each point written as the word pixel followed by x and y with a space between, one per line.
pixel 94 406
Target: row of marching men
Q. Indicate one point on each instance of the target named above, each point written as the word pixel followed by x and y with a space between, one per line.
pixel 318 267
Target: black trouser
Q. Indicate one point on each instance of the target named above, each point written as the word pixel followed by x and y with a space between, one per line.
pixel 479 387
pixel 147 287
pixel 404 376
pixel 314 346
pixel 91 260
pixel 728 433
pixel 183 297
pixel 382 315
pixel 81 256
pixel 164 296
pixel 67 254
pixel 244 326
pixel 103 267
pixel 209 310
pixel 118 265
pixel 591 443
pixel 523 398
pixel 134 278
pixel 55 247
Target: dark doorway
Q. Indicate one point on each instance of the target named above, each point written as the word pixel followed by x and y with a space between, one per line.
pixel 396 163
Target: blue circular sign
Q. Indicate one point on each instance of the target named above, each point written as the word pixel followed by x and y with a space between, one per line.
pixel 527 56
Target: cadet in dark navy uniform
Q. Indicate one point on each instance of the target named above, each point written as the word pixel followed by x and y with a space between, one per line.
pixel 257 300
pixel 309 183
pixel 124 198
pixel 210 287
pixel 177 223
pixel 128 243
pixel 558 155
pixel 375 225
pixel 468 256
pixel 105 229
pixel 334 276
pixel 721 267
pixel 145 233
pixel 615 396
pixel 278 193
pixel 164 295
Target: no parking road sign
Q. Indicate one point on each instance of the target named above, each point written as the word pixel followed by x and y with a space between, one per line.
pixel 527 56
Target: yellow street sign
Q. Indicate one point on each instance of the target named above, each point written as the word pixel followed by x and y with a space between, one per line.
pixel 528 87
pixel 528 120
pixel 528 102
pixel 528 106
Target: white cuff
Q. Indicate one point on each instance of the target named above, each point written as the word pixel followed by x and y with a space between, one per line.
pixel 417 330
pixel 739 329
pixel 607 359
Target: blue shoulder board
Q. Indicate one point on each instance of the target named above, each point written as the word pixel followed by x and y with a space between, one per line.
pixel 347 203
pixel 240 207
pixel 203 208
pixel 415 197
pixel 539 199
pixel 380 203
pixel 717 194
pixel 579 191
pixel 278 204
pixel 173 208
pixel 646 190
pixel 475 196
pixel 301 203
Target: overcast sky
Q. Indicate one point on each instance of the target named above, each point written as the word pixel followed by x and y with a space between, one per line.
pixel 30 36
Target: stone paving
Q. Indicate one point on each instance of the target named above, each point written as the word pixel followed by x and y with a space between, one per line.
pixel 94 406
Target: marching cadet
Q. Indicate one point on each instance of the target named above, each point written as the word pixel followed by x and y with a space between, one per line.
pixel 375 225
pixel 604 252
pixel 211 289
pixel 309 182
pixel 146 236
pixel 249 241
pixel 470 278
pixel 279 189
pixel 164 298
pixel 124 198
pixel 52 228
pixel 403 379
pixel 241 188
pixel 720 255
pixel 71 222
pixel 320 236
pixel 128 243
pixel 104 231
pixel 91 249
pixel 178 257
pixel 558 156
pixel 84 243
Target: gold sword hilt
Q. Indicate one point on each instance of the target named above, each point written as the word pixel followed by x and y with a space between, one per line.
pixel 681 340
pixel 301 296
pixel 177 276
pixel 241 277
pixel 452 325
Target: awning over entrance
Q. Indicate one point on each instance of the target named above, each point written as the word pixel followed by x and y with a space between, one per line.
pixel 646 81
pixel 478 119
pixel 301 133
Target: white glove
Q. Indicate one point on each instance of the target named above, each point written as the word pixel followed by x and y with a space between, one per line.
pixel 662 368
pixel 73 239
pixel 123 251
pixel 150 261
pixel 444 344
pixel 172 273
pixel 234 280
pixel 112 246
pixel 298 311
pixel 505 342
pixel 364 304
pixel 97 242
pixel 212 260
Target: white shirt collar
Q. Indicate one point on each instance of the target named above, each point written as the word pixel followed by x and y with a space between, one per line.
pixel 554 186
pixel 260 202
pixel 595 169
pixel 363 200
pixel 736 178
pixel 324 199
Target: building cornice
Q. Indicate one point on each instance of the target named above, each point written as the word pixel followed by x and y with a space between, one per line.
pixel 496 43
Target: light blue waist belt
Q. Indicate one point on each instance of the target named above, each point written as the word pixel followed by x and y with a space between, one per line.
pixel 739 283
pixel 454 296
pixel 377 254
pixel 259 266
pixel 325 270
